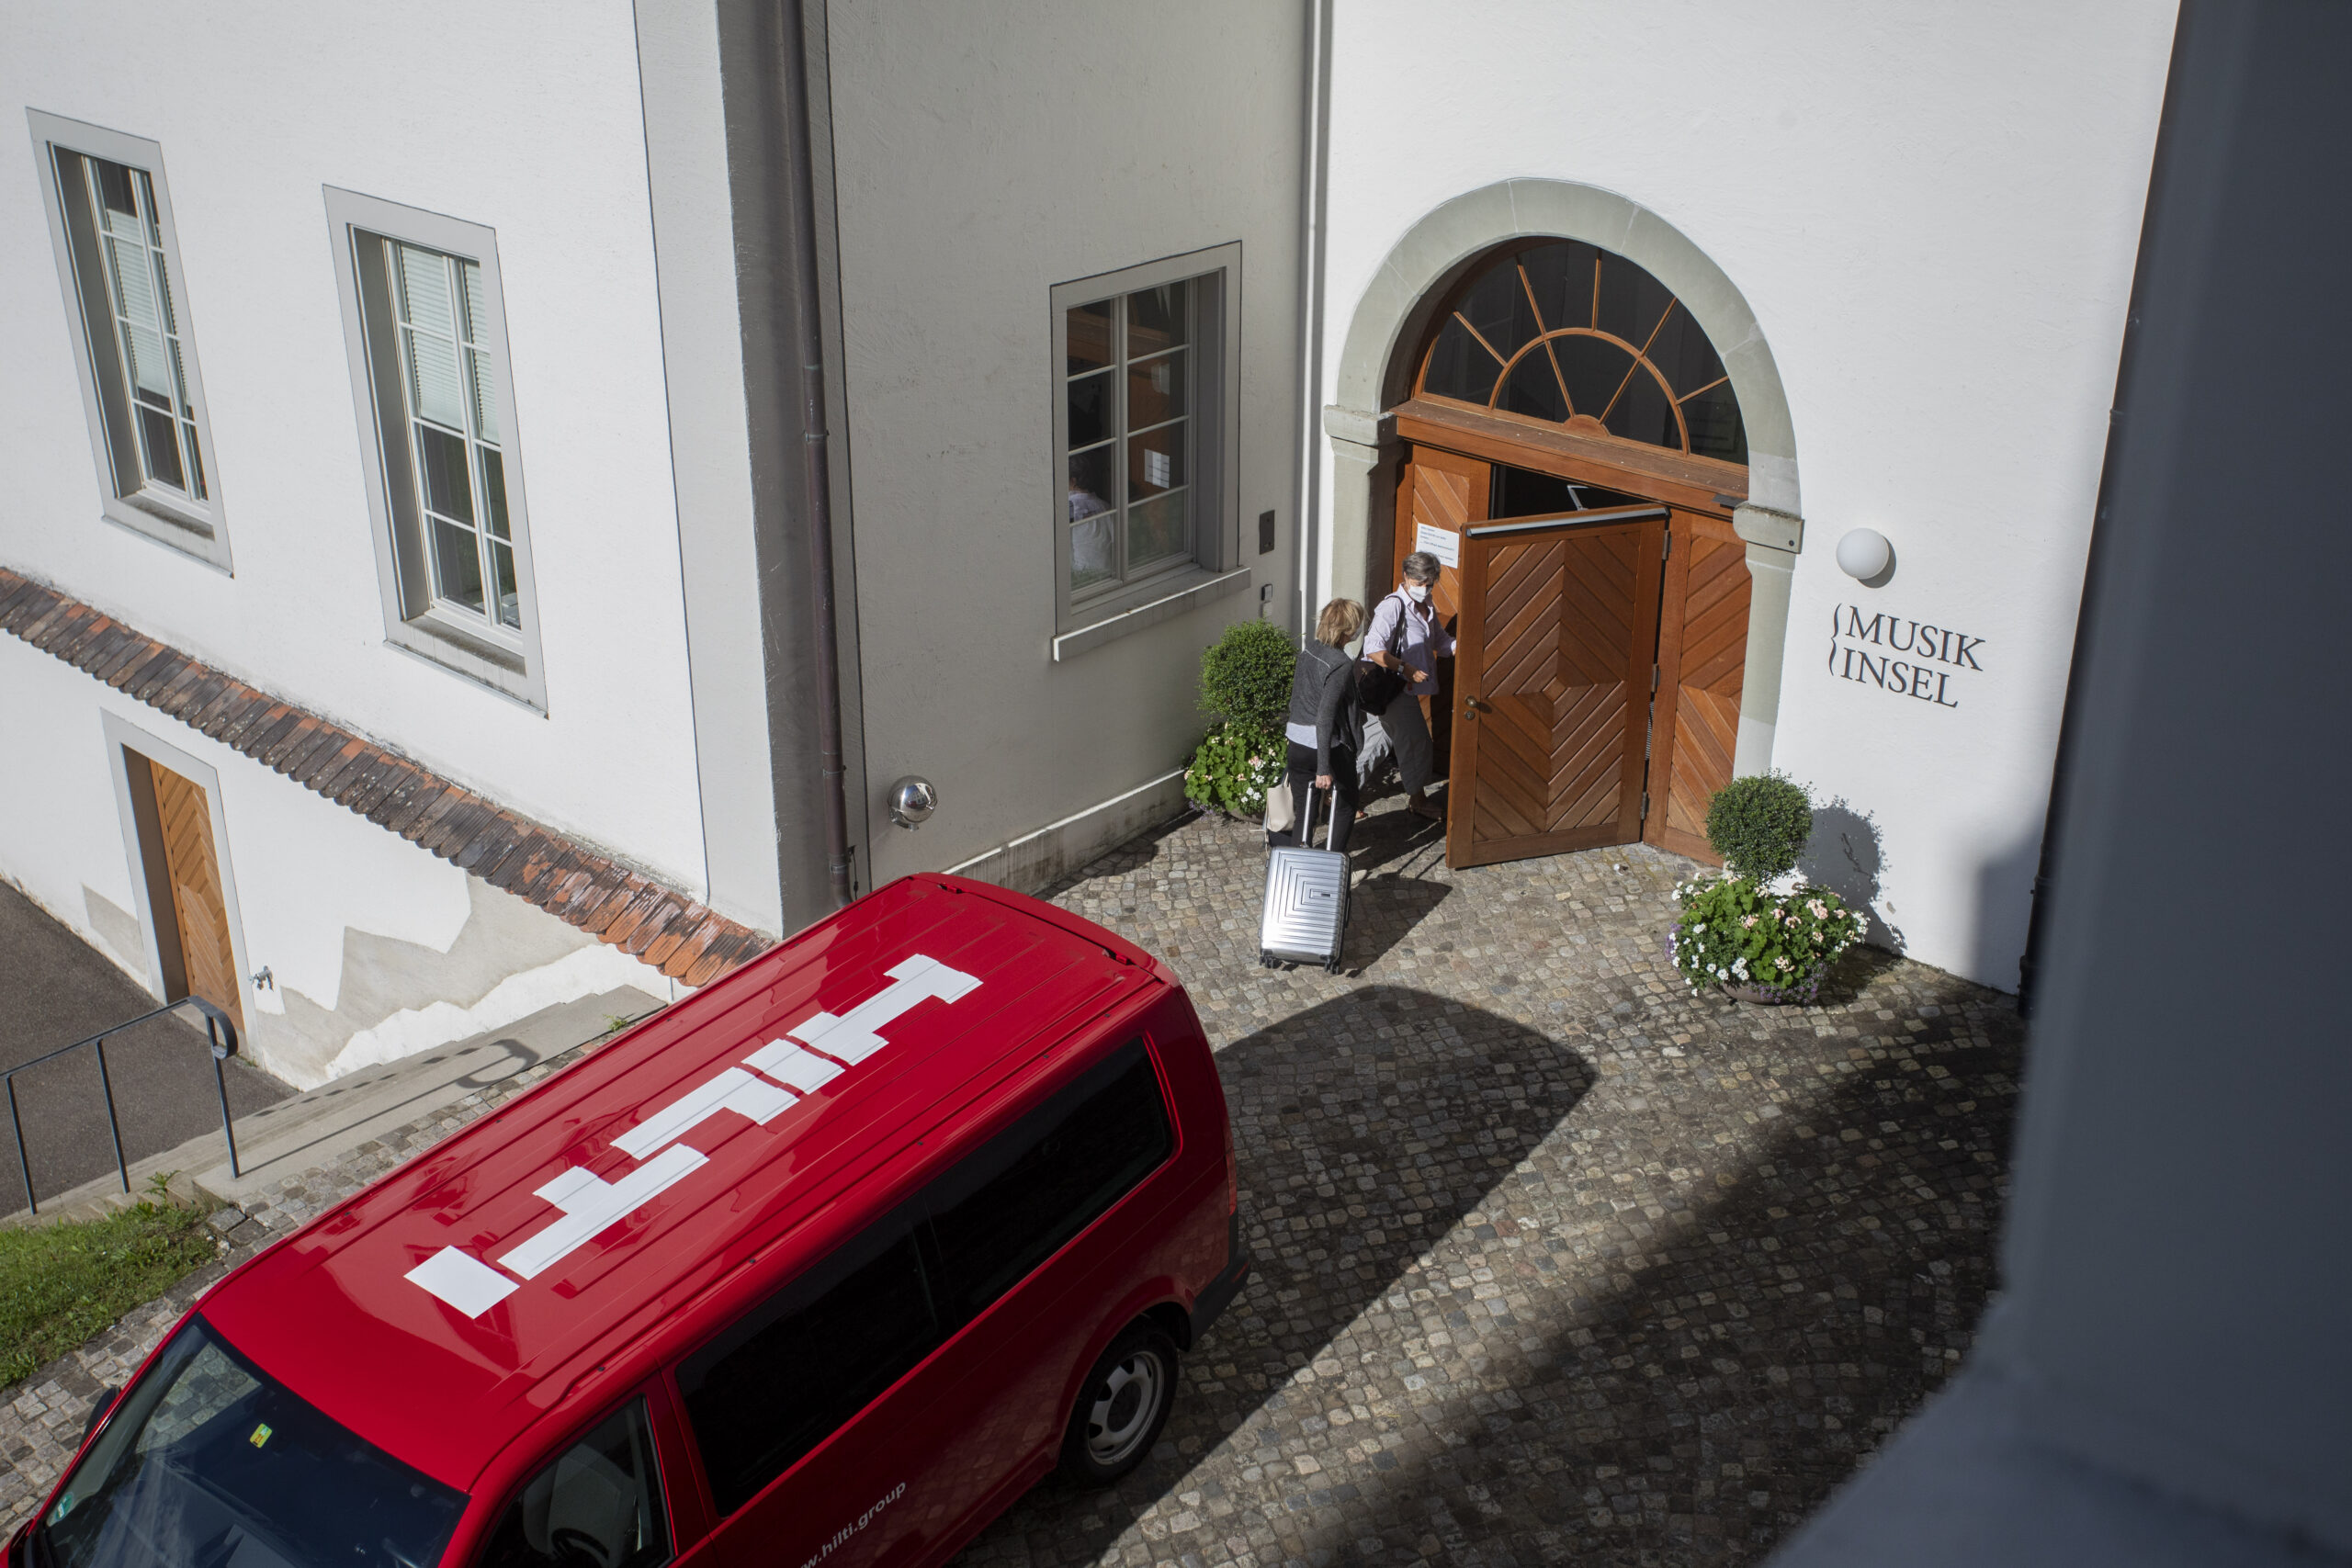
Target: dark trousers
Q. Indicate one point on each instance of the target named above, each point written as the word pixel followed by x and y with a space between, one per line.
pixel 1341 807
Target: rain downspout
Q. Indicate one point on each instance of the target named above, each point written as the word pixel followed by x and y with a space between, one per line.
pixel 816 474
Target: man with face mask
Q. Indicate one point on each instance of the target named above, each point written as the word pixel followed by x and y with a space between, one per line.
pixel 1406 637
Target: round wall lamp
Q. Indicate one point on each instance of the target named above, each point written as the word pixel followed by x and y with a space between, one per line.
pixel 912 800
pixel 1865 555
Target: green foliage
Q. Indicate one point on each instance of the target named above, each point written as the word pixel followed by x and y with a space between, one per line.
pixel 60 1284
pixel 1760 825
pixel 1245 675
pixel 1233 769
pixel 1732 931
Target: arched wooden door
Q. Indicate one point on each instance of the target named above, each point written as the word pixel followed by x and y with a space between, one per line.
pixel 1595 691
pixel 1604 689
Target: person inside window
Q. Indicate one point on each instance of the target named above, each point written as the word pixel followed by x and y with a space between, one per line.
pixel 1407 638
pixel 1325 725
pixel 1094 556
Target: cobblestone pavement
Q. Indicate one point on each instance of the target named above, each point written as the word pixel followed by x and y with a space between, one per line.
pixel 1554 1259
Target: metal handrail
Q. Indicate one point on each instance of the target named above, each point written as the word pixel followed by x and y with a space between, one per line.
pixel 219 1032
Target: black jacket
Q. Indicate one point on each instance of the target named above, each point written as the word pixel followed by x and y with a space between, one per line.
pixel 1323 693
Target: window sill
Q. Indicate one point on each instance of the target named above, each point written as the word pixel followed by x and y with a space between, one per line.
pixel 1184 596
pixel 505 671
pixel 169 526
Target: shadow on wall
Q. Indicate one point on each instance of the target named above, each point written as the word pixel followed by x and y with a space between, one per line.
pixel 2005 896
pixel 1675 1387
pixel 1846 855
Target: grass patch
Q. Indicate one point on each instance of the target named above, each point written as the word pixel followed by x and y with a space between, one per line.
pixel 60 1284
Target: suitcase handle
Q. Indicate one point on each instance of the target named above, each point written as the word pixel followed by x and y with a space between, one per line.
pixel 1307 828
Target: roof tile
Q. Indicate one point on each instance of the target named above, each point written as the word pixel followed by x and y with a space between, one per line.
pixel 672 933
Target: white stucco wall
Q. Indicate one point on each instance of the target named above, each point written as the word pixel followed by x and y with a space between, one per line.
pixel 1933 214
pixel 525 119
pixel 377 949
pixel 984 154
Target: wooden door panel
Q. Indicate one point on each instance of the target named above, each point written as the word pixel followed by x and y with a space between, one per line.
pixel 1702 650
pixel 1557 627
pixel 1445 490
pixel 199 910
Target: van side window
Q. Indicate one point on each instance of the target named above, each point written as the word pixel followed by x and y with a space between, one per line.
pixel 777 1382
pixel 599 1505
pixel 1007 1208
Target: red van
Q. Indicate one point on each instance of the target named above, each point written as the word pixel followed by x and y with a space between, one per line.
pixel 826 1264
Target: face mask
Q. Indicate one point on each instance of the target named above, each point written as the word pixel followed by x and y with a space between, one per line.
pixel 1421 593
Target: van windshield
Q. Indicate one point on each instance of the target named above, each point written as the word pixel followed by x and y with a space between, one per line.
pixel 210 1463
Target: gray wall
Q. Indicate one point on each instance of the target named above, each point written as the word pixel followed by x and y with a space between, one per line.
pixel 983 154
pixel 2167 1375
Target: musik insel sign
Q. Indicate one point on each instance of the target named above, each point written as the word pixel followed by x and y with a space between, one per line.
pixel 1910 658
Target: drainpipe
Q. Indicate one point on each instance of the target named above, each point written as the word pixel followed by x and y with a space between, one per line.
pixel 766 98
pixel 816 474
pixel 1313 168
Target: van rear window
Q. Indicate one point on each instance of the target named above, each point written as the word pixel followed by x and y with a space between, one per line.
pixel 213 1462
pixel 785 1376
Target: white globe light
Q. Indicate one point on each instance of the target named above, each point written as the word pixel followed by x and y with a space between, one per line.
pixel 1863 553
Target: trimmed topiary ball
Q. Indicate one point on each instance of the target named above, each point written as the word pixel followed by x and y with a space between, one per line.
pixel 1760 825
pixel 1245 675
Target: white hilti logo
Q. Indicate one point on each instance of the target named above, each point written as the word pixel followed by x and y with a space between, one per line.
pixel 591 1205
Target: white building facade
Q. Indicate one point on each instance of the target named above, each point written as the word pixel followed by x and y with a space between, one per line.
pixel 1909 237
pixel 442 402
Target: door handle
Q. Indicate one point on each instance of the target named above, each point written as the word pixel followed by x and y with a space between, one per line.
pixel 1472 704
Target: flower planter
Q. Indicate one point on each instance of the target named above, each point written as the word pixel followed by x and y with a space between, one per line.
pixel 1732 936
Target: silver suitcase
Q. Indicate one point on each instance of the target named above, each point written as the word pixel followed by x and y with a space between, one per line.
pixel 1305 919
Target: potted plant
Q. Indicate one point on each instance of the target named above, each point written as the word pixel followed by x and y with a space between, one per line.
pixel 1245 682
pixel 1732 931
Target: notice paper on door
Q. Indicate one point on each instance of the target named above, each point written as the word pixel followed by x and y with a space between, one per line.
pixel 1442 543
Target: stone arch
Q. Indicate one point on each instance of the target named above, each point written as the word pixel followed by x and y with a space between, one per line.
pixel 1394 315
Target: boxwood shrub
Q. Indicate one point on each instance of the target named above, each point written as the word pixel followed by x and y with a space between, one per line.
pixel 1245 676
pixel 1760 825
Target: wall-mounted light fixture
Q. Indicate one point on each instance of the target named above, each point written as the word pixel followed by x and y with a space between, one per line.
pixel 1865 555
pixel 912 800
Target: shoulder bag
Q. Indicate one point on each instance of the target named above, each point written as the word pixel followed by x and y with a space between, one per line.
pixel 1377 685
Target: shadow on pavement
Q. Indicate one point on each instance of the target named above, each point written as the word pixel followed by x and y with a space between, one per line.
pixel 1700 1407
pixel 1384 910
pixel 1681 1384
pixel 1409 1109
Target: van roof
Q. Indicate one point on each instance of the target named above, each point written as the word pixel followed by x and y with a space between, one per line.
pixel 440 1311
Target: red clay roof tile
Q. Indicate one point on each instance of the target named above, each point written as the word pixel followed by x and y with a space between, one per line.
pixel 674 933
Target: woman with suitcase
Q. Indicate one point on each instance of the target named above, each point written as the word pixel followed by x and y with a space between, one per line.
pixel 1326 725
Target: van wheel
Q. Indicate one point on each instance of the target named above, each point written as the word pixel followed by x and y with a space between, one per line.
pixel 1120 1406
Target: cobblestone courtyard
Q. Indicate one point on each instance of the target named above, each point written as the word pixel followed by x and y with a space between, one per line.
pixel 1554 1260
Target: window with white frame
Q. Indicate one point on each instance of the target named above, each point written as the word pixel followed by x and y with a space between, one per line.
pixel 446 370
pixel 425 324
pixel 1141 435
pixel 118 259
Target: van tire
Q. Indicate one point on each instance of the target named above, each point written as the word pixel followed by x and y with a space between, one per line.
pixel 1121 1405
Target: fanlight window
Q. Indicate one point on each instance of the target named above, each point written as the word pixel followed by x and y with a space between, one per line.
pixel 1572 334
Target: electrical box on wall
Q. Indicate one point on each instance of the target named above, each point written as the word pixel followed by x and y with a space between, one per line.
pixel 1265 533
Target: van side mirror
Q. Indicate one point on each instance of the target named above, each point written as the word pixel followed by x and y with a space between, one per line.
pixel 98 1408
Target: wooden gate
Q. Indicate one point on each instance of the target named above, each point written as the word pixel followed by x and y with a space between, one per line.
pixel 1558 630
pixel 200 910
